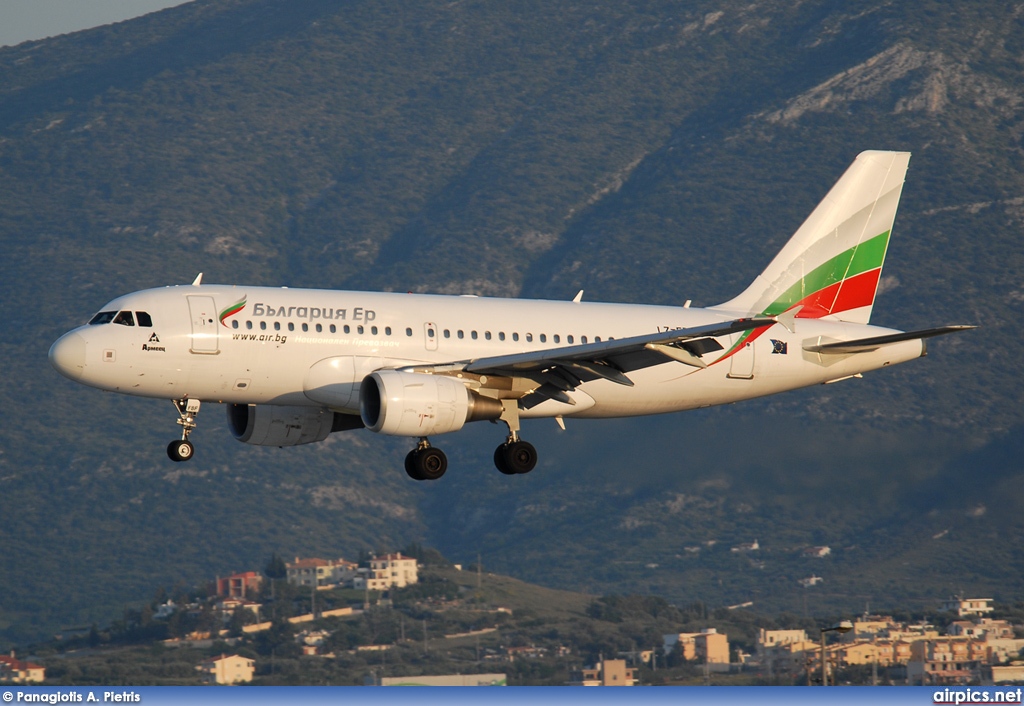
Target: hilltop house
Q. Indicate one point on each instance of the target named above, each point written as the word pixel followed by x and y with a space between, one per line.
pixel 320 572
pixel 16 671
pixel 390 570
pixel 227 669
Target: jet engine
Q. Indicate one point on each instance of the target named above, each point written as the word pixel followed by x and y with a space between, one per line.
pixel 416 404
pixel 280 425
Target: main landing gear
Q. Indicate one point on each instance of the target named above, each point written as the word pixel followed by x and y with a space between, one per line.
pixel 182 449
pixel 514 457
pixel 425 462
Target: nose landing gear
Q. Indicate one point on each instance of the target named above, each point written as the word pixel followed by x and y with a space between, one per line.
pixel 182 449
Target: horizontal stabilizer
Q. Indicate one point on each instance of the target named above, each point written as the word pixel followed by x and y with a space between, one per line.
pixel 864 345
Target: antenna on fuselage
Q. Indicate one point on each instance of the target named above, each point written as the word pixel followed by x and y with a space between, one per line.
pixel 578 298
pixel 198 280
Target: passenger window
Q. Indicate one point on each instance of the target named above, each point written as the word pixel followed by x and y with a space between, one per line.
pixel 124 318
pixel 473 335
pixel 569 339
pixel 515 336
pixel 597 339
pixel 305 327
pixel 291 326
pixel 104 317
pixel 487 335
pixel 529 337
pixel 360 329
pixel 334 329
pixel 277 325
pixel 373 330
pixel 447 333
pixel 319 328
pixel 408 332
pixel 543 338
pixel 460 334
pixel 248 324
pixel 348 329
pixel 144 319
pixel 557 338
pixel 387 330
pixel 263 326
pixel 501 335
pixel 234 323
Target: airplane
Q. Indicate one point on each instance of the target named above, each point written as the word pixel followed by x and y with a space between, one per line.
pixel 294 365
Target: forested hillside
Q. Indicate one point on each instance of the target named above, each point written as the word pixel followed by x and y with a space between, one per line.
pixel 641 151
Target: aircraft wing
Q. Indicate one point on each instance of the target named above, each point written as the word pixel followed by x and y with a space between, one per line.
pixel 558 370
pixel 863 345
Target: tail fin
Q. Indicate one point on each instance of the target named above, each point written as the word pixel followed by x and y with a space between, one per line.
pixel 832 264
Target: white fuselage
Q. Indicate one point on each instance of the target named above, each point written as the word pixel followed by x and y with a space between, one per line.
pixel 268 352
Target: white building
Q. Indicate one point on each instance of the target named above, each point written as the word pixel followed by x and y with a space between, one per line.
pixel 320 572
pixel 968 606
pixel 388 571
pixel 227 669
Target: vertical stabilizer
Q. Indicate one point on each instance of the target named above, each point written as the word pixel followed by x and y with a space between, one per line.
pixel 832 264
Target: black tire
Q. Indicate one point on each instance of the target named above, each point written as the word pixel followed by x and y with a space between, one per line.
pixel 431 463
pixel 411 467
pixel 520 456
pixel 180 450
pixel 499 461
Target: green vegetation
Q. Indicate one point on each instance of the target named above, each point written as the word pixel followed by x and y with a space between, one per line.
pixel 640 151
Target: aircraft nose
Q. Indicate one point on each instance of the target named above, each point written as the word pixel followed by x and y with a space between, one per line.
pixel 67 355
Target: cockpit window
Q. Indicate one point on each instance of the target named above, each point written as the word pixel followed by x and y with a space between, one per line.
pixel 124 318
pixel 144 319
pixel 104 317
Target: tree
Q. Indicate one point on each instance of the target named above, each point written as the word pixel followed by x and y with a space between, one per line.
pixel 275 570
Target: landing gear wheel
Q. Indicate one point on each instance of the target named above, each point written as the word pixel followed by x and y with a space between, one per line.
pixel 431 463
pixel 410 465
pixel 426 463
pixel 516 456
pixel 499 461
pixel 180 450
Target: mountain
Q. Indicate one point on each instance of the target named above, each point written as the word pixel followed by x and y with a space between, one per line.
pixel 641 151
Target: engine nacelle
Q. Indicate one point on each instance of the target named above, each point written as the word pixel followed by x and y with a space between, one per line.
pixel 416 404
pixel 279 425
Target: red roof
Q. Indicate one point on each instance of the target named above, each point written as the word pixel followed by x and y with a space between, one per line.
pixel 17 664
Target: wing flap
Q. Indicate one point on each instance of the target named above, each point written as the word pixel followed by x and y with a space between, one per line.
pixel 865 345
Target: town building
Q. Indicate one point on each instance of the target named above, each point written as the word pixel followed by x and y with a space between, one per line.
pixel 610 672
pixel 227 669
pixel 967 606
pixel 706 647
pixel 16 671
pixel 946 661
pixel 320 572
pixel 1009 674
pixel 768 639
pixel 984 628
pixel 243 585
pixel 388 571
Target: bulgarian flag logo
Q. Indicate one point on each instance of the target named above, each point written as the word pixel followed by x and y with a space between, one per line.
pixel 232 310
